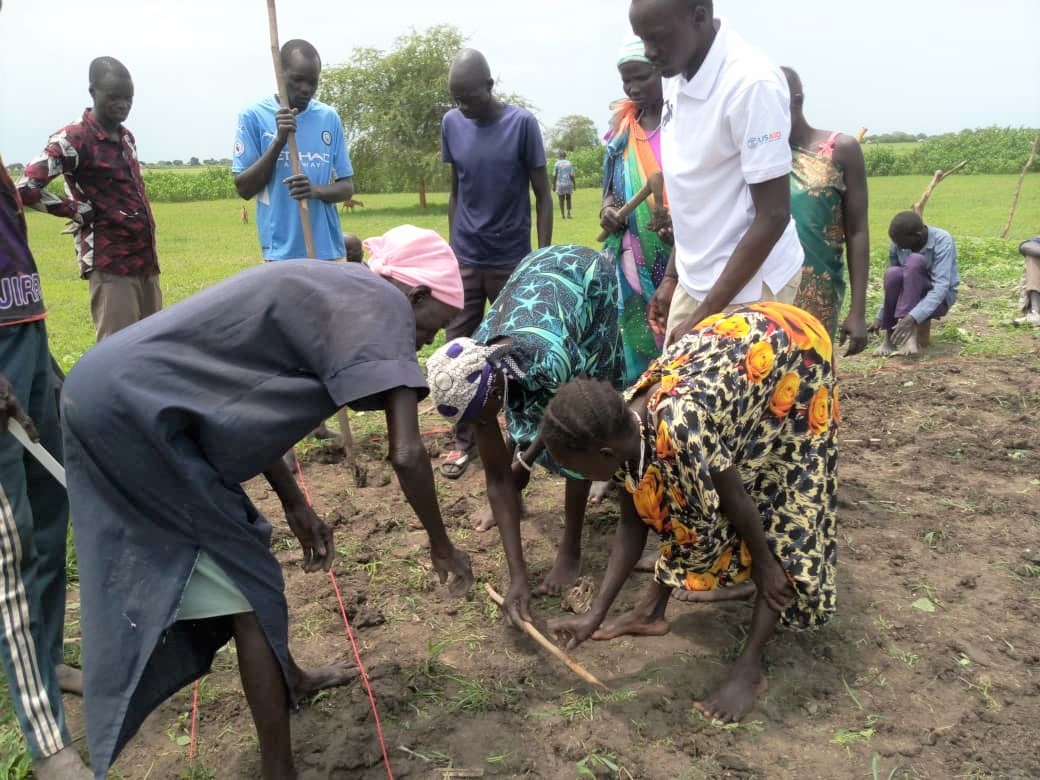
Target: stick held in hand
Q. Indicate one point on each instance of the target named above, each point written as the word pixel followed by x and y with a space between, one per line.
pixel 283 98
pixel 540 638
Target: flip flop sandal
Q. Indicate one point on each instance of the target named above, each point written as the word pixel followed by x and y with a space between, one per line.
pixel 454 466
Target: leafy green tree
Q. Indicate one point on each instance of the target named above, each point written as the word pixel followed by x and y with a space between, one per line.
pixel 572 133
pixel 391 104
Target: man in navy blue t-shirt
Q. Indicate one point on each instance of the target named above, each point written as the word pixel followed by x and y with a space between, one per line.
pixel 496 155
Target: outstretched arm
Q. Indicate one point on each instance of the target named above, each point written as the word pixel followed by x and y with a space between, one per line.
pixel 857 242
pixel 624 553
pixel 504 499
pixel 543 205
pixel 315 537
pixel 412 466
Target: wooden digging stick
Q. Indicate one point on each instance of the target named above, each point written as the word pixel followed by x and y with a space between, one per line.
pixel 1018 189
pixel 654 182
pixel 294 152
pixel 346 439
pixel 539 637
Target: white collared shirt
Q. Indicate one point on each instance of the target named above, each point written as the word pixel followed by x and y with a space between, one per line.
pixel 726 128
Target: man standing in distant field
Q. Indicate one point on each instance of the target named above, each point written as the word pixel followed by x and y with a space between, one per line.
pixel 496 154
pixel 105 198
pixel 726 161
pixel 262 167
pixel 34 511
pixel 563 183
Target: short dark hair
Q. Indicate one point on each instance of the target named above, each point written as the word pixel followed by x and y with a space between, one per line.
pixel 905 224
pixel 583 413
pixel 104 66
pixel 301 47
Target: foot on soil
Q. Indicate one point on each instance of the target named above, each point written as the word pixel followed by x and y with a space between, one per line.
pixel 455 463
pixel 484 520
pixel 885 348
pixel 599 492
pixel 307 683
pixel 737 696
pixel 910 348
pixel 562 575
pixel 63 765
pixel 635 622
pixel 648 560
pixel 322 432
pixel 744 590
pixel 70 679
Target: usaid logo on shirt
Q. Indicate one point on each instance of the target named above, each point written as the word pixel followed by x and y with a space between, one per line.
pixel 762 140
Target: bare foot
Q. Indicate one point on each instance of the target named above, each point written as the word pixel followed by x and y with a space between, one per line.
pixel 599 492
pixel 307 683
pixel 484 520
pixel 737 696
pixel 562 575
pixel 910 348
pixel 885 348
pixel 70 679
pixel 635 622
pixel 63 765
pixel 744 590
pixel 648 560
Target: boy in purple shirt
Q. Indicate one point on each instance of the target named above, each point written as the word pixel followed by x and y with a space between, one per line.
pixel 496 154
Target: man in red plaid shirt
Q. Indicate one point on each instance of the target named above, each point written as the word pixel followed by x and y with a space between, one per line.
pixel 106 201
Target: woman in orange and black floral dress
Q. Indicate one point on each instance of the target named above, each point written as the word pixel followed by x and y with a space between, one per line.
pixel 726 447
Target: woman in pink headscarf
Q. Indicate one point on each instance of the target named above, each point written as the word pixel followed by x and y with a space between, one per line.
pixel 165 419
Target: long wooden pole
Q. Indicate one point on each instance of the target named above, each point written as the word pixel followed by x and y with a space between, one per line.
pixel 1018 189
pixel 283 98
pixel 539 637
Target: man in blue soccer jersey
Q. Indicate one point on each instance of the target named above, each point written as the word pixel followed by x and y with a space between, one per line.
pixel 262 166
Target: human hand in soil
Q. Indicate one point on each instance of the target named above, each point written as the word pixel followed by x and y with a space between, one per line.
pixel 772 582
pixel 874 328
pixel 9 407
pixel 853 330
pixel 903 330
pixel 453 562
pixel 573 630
pixel 517 603
pixel 315 537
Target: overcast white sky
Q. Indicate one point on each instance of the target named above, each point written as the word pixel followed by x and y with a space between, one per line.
pixel 916 65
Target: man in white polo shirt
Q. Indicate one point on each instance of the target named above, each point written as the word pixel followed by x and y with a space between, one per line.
pixel 726 162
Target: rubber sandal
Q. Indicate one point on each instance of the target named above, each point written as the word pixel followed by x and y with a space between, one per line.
pixel 455 465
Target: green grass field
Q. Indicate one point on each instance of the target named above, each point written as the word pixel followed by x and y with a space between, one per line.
pixel 202 243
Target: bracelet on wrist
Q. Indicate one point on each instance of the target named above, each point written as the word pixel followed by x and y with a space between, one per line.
pixel 523 463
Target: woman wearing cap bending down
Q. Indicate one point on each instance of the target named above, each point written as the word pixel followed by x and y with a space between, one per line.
pixel 555 320
pixel 165 419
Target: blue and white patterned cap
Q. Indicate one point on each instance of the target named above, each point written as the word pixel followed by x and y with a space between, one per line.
pixel 459 375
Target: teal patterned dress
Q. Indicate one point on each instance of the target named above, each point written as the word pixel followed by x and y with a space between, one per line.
pixel 559 309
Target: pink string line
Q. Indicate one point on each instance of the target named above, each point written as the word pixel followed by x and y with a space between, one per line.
pixel 353 642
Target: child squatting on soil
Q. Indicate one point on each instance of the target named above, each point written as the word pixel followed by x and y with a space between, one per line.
pixel 164 420
pixel 920 283
pixel 726 448
pixel 554 320
pixel 1029 300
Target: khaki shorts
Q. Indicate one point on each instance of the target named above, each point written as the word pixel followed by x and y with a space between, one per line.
pixel 118 301
pixel 684 305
